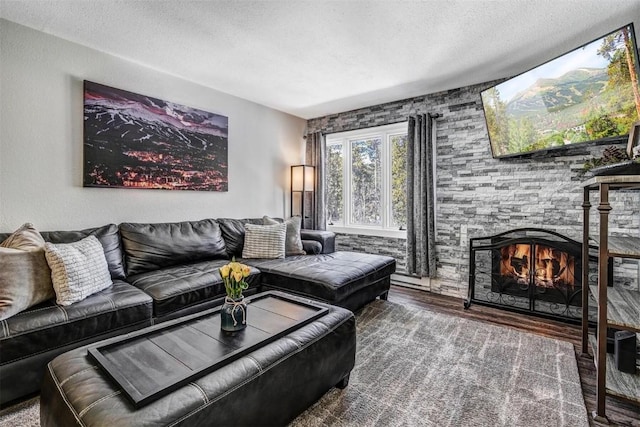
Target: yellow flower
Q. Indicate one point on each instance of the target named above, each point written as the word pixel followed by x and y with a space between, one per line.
pixel 224 271
pixel 235 266
pixel 246 270
pixel 233 275
pixel 237 275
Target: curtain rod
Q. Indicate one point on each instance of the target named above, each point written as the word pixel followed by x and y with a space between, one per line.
pixel 364 127
pixel 432 115
pixel 322 132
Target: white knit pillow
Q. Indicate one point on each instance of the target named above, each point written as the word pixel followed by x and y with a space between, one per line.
pixel 78 269
pixel 264 241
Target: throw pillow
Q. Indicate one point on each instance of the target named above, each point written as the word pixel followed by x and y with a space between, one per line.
pixel 25 238
pixel 25 280
pixel 78 269
pixel 264 241
pixel 293 243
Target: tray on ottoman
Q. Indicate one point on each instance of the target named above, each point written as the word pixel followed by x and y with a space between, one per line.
pixel 153 362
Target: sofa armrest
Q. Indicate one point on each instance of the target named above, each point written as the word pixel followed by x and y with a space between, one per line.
pixel 326 238
pixel 311 247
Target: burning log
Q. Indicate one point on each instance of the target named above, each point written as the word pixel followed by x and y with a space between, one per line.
pixel 552 267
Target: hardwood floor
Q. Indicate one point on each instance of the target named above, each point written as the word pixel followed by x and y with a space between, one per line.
pixel 619 412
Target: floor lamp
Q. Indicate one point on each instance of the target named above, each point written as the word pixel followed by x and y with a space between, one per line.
pixel 302 194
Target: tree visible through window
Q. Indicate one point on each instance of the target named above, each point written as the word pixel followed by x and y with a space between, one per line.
pixel 366 178
pixel 399 181
pixel 366 182
pixel 334 185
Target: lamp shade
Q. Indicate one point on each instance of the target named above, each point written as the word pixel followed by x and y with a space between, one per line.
pixel 308 178
pixel 297 178
pixel 302 178
pixel 302 193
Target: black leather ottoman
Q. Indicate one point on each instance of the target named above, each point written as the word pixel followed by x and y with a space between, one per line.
pixel 270 386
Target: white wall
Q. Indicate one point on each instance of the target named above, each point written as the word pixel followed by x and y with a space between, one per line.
pixel 41 118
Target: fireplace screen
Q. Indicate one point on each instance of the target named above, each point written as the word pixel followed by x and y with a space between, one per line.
pixel 527 270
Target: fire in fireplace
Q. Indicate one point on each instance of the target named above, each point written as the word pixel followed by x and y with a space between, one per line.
pixel 550 267
pixel 527 270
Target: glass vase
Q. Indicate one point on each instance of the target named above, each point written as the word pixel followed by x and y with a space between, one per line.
pixel 233 315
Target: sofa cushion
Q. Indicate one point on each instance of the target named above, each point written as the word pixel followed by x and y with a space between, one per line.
pixel 48 326
pixel 177 287
pixel 107 235
pixel 149 247
pixel 25 238
pixel 264 241
pixel 25 280
pixel 293 243
pixel 328 277
pixel 78 269
pixel 233 233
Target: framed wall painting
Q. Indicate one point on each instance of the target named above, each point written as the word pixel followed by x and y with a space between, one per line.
pixel 136 141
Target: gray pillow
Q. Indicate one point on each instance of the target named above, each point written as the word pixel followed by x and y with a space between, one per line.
pixel 25 280
pixel 293 243
pixel 25 238
pixel 264 241
pixel 78 269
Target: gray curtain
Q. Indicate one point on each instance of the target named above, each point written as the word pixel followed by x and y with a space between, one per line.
pixel 317 148
pixel 421 255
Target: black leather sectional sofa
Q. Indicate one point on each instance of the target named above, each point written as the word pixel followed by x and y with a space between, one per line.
pixel 167 270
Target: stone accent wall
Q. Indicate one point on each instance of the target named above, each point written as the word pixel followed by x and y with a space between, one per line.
pixel 477 195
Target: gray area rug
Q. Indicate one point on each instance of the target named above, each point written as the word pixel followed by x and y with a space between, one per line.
pixel 24 414
pixel 419 368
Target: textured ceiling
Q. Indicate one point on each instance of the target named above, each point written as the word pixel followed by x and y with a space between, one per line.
pixel 312 58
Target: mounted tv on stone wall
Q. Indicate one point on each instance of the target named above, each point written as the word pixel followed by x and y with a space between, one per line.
pixel 588 94
pixel 136 141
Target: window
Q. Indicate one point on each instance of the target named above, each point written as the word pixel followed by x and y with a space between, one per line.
pixel 366 180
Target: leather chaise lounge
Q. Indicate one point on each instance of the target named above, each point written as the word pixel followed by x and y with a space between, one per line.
pixel 346 279
pixel 168 270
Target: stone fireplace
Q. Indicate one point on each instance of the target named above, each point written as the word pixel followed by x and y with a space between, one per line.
pixel 530 270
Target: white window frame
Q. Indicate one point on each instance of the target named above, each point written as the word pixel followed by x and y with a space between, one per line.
pixel 384 133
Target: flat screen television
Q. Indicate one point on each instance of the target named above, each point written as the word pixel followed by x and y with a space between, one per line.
pixel 588 94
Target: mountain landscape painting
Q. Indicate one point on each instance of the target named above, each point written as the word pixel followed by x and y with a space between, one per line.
pixel 588 94
pixel 135 141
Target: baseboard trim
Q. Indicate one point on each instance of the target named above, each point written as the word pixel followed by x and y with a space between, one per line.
pixel 423 283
